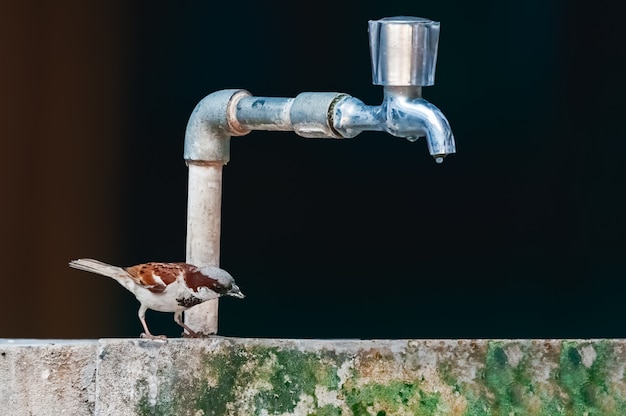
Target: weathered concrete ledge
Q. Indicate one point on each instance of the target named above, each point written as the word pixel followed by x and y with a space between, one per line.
pixel 233 376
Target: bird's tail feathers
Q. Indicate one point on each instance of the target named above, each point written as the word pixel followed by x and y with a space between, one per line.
pixel 98 267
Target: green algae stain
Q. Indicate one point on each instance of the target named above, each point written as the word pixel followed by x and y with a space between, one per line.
pixel 293 374
pixel 573 377
pixel 475 394
pixel 273 379
pixel 515 389
pixel 252 380
pixel 502 387
pixel 189 393
pixel 143 405
pixel 392 398
pixel 503 380
pixel 328 410
pixel 587 379
pixel 227 370
pixel 429 404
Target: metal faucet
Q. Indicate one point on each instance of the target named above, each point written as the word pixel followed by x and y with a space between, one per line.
pixel 404 55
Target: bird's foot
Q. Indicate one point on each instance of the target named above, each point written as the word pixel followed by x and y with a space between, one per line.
pixel 190 334
pixel 154 337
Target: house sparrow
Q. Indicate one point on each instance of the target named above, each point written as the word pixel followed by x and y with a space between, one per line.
pixel 166 287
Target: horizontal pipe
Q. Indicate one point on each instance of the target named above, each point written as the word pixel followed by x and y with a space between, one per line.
pixel 309 114
pixel 352 116
pixel 264 113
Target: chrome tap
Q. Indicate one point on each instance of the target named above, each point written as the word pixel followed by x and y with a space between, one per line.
pixel 404 53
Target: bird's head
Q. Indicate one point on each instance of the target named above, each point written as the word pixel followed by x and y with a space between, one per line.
pixel 235 292
pixel 224 283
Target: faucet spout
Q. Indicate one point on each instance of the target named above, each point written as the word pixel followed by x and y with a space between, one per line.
pixel 408 115
pixel 403 113
pixel 404 54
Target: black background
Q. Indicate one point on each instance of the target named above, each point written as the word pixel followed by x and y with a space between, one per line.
pixel 520 234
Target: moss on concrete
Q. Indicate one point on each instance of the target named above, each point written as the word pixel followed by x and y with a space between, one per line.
pixel 586 374
pixel 143 405
pixel 327 410
pixel 511 385
pixel 496 378
pixel 273 380
pixel 393 398
pixel 226 377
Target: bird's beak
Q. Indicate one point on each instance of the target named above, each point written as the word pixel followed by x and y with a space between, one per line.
pixel 235 292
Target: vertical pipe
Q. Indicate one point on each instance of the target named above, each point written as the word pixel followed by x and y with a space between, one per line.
pixel 207 150
pixel 203 234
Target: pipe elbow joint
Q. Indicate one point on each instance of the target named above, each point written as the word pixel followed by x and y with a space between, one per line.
pixel 208 132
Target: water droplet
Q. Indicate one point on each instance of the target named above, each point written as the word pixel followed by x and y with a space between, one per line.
pixel 412 138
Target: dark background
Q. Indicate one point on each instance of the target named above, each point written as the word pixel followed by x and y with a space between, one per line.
pixel 520 234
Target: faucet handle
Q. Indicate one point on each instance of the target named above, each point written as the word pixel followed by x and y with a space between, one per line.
pixel 404 51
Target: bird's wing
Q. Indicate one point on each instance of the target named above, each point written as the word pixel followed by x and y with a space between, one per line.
pixel 155 276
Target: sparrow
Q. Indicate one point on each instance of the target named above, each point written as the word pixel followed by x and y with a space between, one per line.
pixel 166 287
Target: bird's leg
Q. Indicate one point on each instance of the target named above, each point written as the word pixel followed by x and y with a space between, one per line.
pixel 178 319
pixel 147 334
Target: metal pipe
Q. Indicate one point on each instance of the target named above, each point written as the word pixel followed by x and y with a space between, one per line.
pixel 308 115
pixel 403 60
pixel 203 234
pixel 207 150
pixel 264 113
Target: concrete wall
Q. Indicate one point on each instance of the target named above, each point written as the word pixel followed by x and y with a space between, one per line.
pixel 230 376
